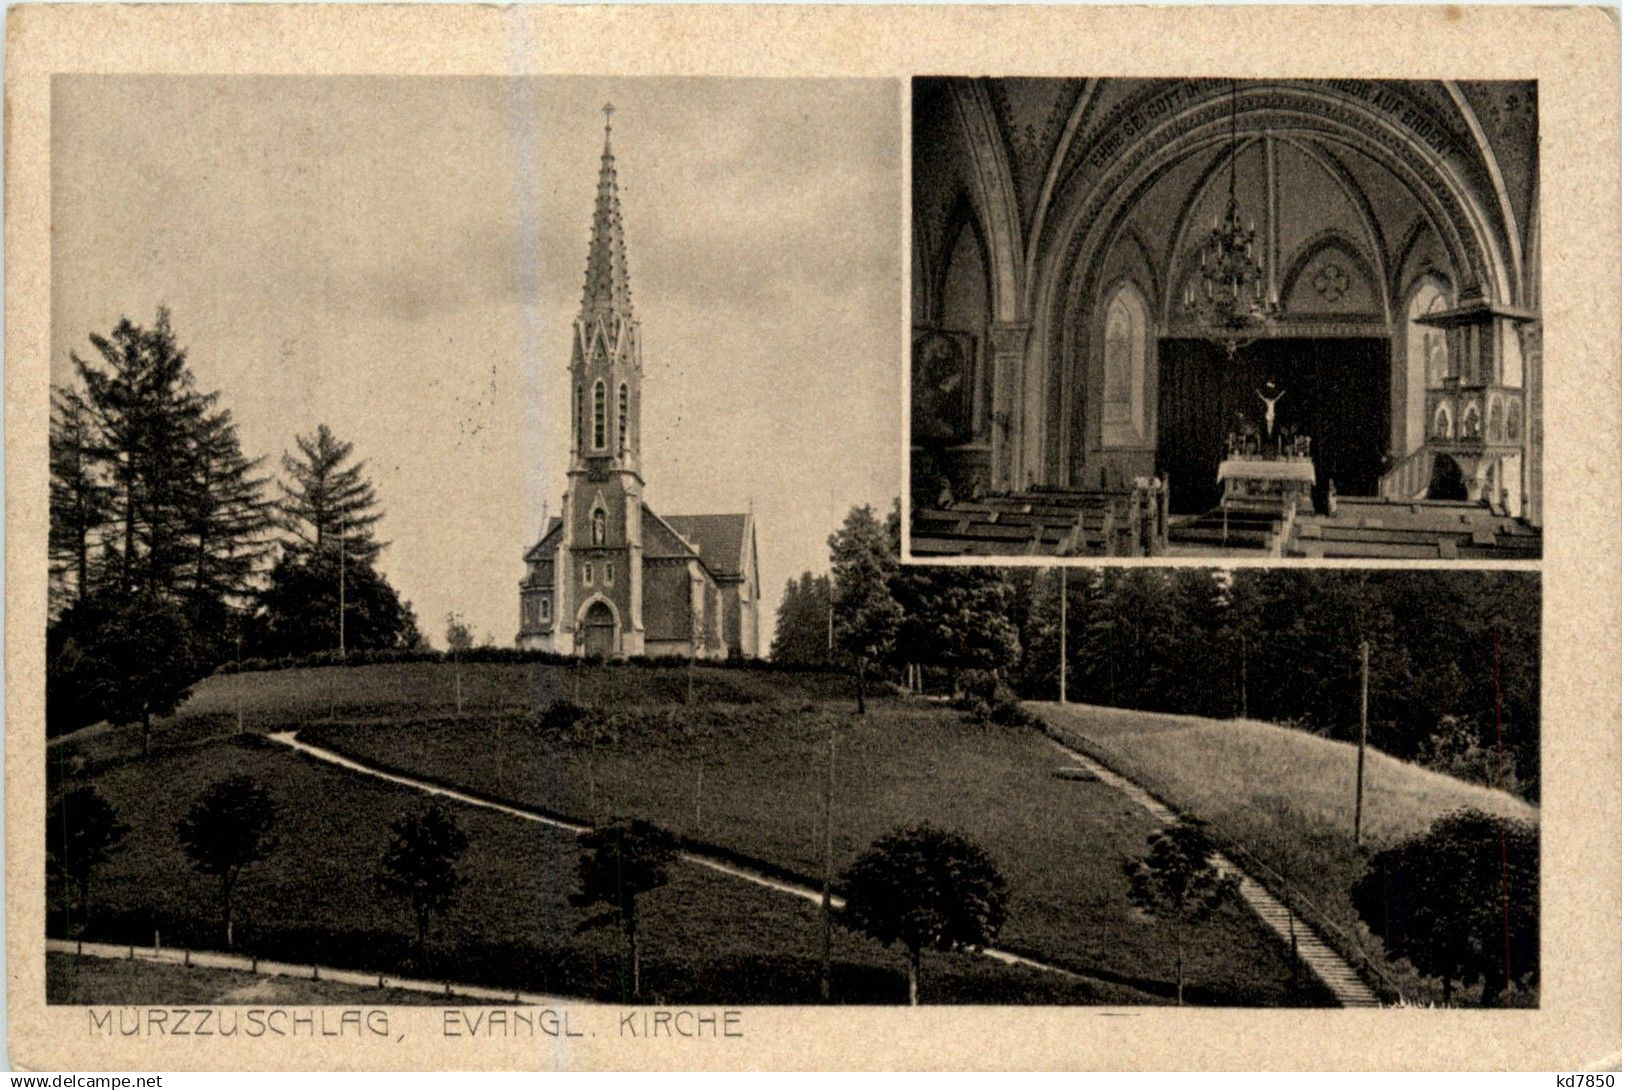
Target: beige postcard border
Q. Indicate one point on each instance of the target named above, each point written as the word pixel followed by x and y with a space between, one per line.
pixel 1573 52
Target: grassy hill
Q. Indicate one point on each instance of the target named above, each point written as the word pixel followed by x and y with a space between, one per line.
pixel 741 769
pixel 1284 796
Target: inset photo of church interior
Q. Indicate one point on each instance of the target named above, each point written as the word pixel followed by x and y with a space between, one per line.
pixel 1225 317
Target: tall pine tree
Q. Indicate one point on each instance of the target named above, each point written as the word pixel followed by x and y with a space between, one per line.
pixel 327 501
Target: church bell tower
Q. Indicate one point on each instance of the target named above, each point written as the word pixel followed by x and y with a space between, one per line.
pixel 600 577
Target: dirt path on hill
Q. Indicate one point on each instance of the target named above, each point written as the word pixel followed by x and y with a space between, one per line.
pixel 1339 977
pixel 721 866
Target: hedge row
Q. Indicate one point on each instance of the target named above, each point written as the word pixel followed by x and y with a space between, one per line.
pixel 509 656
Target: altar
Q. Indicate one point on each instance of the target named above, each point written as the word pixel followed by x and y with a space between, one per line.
pixel 1254 480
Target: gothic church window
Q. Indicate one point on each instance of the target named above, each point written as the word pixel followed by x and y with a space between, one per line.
pixel 620 422
pixel 581 416
pixel 609 573
pixel 1123 395
pixel 586 574
pixel 544 609
pixel 599 423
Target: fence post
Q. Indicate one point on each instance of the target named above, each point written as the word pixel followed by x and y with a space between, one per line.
pixel 187 956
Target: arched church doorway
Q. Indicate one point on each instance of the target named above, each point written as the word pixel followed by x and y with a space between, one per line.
pixel 598 631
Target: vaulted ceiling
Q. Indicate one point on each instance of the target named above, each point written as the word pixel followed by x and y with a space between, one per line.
pixel 1358 188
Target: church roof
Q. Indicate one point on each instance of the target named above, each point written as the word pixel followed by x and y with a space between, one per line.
pixel 721 539
pixel 555 526
pixel 608 287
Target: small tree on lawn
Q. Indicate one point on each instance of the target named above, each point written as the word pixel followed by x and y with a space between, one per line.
pixel 620 860
pixel 927 889
pixel 226 829
pixel 867 617
pixel 1461 901
pixel 81 833
pixel 128 658
pixel 420 864
pixel 1177 882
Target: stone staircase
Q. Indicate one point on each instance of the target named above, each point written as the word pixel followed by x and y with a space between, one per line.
pixel 1339 977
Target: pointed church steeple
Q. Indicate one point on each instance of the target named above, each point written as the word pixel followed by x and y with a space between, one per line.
pixel 608 287
pixel 606 364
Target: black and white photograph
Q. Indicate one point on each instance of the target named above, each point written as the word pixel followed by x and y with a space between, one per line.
pixel 660 539
pixel 1225 317
pixel 316 699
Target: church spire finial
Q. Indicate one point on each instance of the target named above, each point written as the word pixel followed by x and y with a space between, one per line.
pixel 608 287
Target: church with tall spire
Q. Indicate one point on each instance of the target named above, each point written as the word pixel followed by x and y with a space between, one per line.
pixel 609 577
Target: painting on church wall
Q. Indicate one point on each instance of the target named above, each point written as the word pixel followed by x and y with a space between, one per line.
pixel 1369 247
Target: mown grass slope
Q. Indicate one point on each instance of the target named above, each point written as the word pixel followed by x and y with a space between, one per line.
pixel 1285 796
pixel 707 938
pixel 744 772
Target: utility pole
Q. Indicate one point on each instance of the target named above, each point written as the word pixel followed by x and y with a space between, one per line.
pixel 829 861
pixel 1359 765
pixel 1063 634
pixel 830 596
pixel 1244 675
pixel 341 588
pixel 1500 776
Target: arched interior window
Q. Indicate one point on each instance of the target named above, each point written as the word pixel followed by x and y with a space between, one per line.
pixel 965 308
pixel 599 423
pixel 1123 387
pixel 598 527
pixel 621 418
pixel 1426 361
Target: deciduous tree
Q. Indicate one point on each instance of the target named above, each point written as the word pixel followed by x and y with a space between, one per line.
pixel 620 861
pixel 420 865
pixel 867 617
pixel 82 832
pixel 227 829
pixel 927 889
pixel 1177 882
pixel 1461 901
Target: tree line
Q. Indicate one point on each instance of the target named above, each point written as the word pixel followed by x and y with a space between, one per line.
pixel 170 551
pixel 1454 678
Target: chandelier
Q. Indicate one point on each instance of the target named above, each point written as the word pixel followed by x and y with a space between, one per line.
pixel 1234 300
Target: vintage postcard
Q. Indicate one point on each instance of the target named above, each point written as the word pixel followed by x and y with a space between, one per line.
pixel 672 538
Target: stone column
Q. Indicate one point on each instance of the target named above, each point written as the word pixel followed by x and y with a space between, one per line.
pixel 1008 341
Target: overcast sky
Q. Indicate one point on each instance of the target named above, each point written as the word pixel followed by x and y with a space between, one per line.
pixel 401 258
